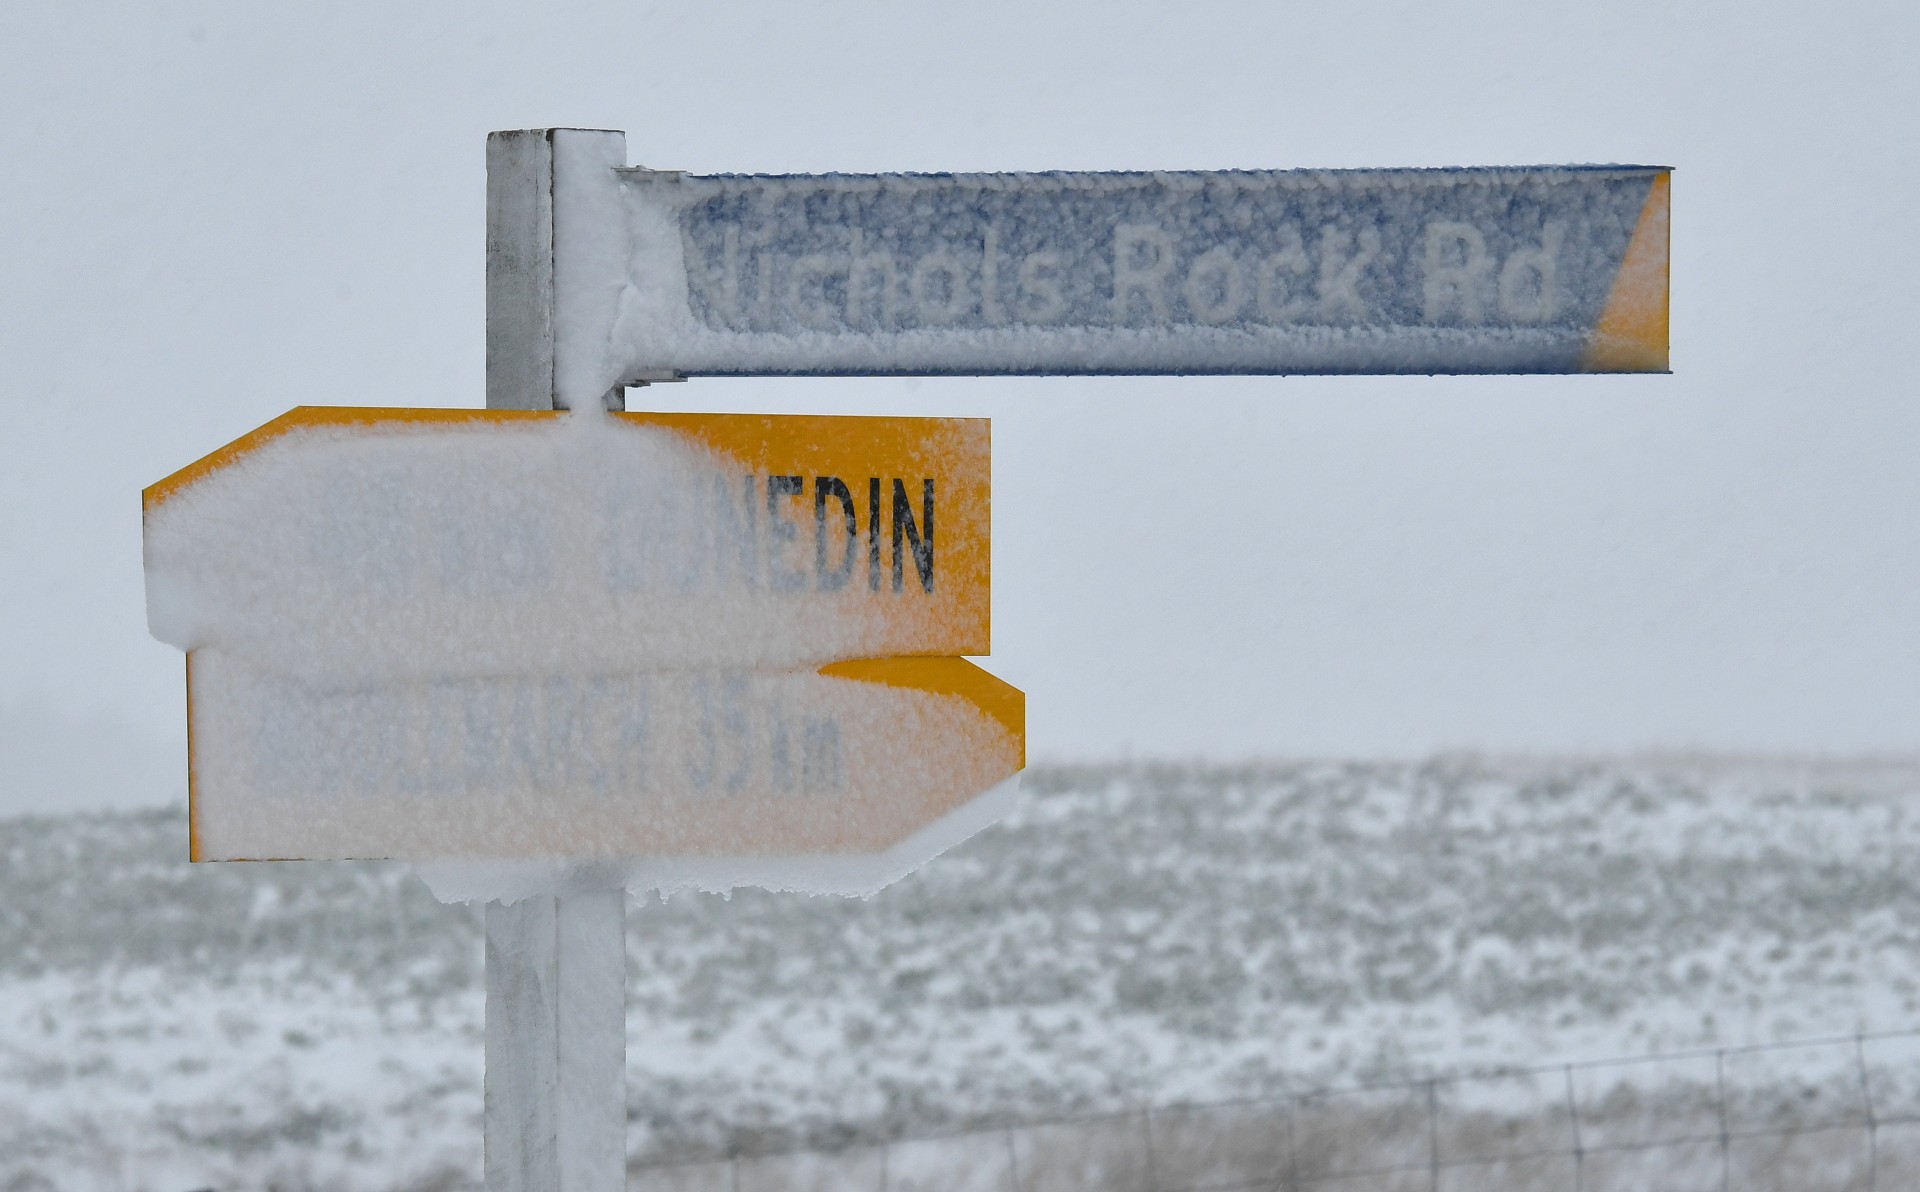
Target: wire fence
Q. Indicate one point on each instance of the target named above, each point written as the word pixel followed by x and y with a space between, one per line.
pixel 1825 1115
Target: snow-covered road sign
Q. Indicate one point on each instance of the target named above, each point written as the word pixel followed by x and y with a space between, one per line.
pixel 658 274
pixel 347 544
pixel 839 779
pixel 715 649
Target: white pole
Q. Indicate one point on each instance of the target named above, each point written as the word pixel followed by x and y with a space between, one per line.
pixel 556 1103
pixel 556 1106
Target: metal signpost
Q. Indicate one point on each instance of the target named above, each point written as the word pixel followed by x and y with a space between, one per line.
pixel 681 652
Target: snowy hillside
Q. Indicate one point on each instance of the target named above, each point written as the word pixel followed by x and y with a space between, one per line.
pixel 1134 934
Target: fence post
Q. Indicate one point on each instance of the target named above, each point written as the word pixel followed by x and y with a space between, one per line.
pixel 1720 1097
pixel 1433 1135
pixel 1293 1144
pixel 1873 1120
pixel 1146 1132
pixel 1573 1117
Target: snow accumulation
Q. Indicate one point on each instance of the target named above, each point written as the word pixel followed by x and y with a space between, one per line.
pixel 1498 270
pixel 588 279
pixel 587 649
pixel 571 546
pixel 1133 935
pixel 716 774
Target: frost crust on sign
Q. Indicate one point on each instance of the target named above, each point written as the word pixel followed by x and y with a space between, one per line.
pixel 1235 271
pixel 545 654
pixel 707 778
pixel 590 247
pixel 341 556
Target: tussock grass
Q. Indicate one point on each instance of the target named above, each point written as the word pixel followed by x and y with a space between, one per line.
pixel 1137 934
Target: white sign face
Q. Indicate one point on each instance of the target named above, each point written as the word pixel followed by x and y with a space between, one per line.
pixel 834 781
pixel 1546 270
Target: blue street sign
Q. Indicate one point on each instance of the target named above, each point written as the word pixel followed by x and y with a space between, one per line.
pixel 1376 271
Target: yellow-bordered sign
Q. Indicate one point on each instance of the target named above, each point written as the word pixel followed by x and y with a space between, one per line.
pixel 347 543
pixel 716 643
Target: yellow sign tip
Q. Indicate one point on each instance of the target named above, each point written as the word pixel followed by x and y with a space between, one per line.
pixel 1631 335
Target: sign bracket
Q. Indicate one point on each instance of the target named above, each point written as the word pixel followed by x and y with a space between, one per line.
pixel 555 1117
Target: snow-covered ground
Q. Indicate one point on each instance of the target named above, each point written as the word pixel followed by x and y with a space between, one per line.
pixel 1135 934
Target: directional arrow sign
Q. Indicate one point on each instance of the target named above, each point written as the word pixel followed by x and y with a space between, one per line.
pixel 352 544
pixel 1544 270
pixel 474 634
pixel 844 778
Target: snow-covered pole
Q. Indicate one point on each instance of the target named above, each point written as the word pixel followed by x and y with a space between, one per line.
pixel 556 1112
pixel 543 184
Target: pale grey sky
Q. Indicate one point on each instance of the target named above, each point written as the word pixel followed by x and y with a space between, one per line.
pixel 218 211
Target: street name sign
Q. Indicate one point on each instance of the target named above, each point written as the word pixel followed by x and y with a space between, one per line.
pixel 659 274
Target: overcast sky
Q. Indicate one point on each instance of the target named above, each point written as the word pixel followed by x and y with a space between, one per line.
pixel 214 212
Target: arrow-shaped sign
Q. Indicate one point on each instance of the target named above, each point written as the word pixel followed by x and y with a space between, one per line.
pixel 714 648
